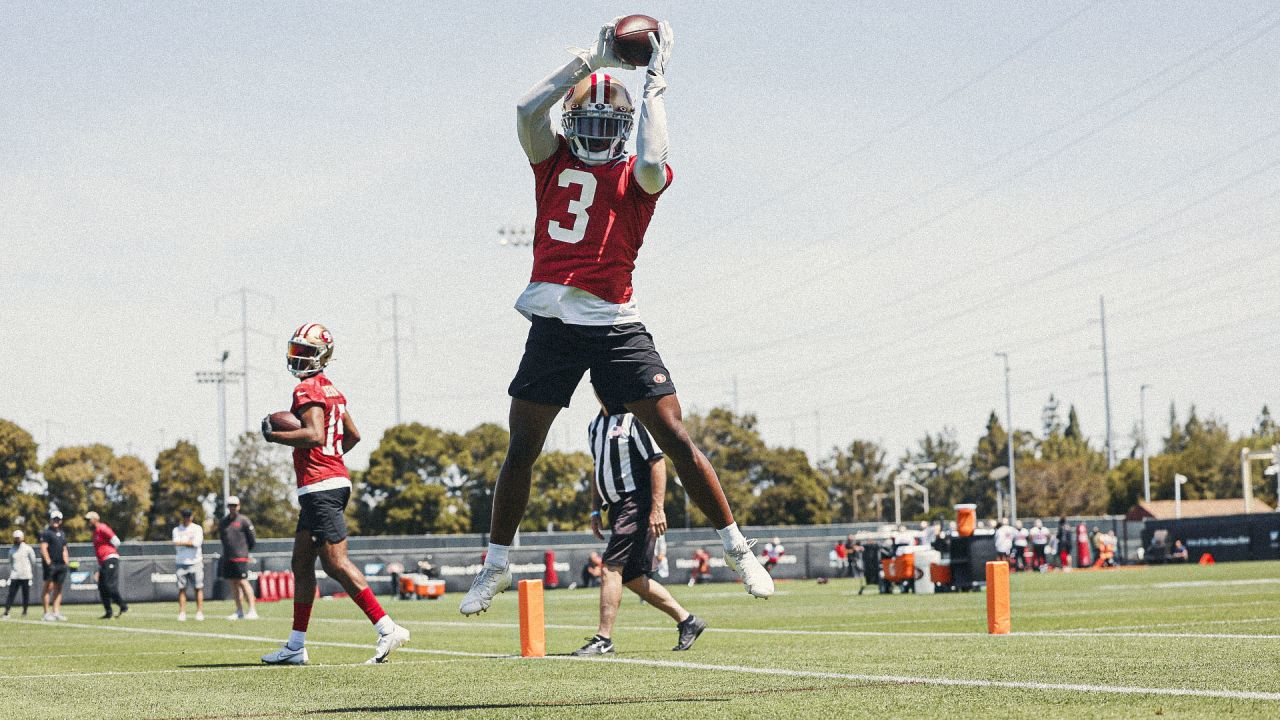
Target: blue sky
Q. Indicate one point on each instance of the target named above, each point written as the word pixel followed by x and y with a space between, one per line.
pixel 871 199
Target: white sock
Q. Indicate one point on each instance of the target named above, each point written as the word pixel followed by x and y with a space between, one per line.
pixel 385 625
pixel 296 640
pixel 497 555
pixel 731 536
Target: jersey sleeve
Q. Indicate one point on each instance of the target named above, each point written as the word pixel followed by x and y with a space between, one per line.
pixel 543 171
pixel 633 187
pixel 307 394
pixel 649 450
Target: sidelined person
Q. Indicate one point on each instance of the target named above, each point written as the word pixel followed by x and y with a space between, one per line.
pixel 631 481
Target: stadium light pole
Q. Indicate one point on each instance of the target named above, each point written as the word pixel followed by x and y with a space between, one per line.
pixel 903 478
pixel 1008 416
pixel 1142 428
pixel 1178 480
pixel 220 378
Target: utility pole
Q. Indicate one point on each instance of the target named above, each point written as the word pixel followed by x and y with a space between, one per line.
pixel 1142 428
pixel 395 339
pixel 817 434
pixel 244 330
pixel 1106 380
pixel 1008 416
pixel 220 378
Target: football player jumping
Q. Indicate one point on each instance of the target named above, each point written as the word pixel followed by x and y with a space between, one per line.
pixel 324 488
pixel 594 204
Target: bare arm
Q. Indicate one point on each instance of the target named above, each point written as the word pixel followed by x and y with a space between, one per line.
pixel 310 435
pixel 350 435
pixel 66 555
pixel 658 495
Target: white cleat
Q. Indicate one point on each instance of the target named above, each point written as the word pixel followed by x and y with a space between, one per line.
pixel 742 560
pixel 182 616
pixel 286 656
pixel 386 643
pixel 199 616
pixel 48 617
pixel 235 616
pixel 252 615
pixel 59 617
pixel 491 581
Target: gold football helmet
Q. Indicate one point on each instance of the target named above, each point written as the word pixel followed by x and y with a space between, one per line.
pixel 596 118
pixel 310 350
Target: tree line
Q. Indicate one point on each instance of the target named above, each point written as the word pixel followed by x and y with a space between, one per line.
pixel 423 479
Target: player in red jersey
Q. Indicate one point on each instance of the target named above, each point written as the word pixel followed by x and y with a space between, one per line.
pixel 594 205
pixel 324 489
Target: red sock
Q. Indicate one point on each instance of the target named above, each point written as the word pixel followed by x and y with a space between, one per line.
pixel 370 605
pixel 301 616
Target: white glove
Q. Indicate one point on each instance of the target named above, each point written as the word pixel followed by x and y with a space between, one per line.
pixel 602 54
pixel 662 41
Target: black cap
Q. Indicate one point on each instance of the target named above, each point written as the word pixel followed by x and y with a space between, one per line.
pixel 186 513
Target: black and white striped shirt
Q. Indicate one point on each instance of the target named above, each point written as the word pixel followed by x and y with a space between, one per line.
pixel 621 449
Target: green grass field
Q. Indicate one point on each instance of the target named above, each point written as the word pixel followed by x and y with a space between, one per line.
pixel 1170 641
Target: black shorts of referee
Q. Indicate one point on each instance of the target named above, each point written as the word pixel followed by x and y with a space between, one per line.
pixel 630 541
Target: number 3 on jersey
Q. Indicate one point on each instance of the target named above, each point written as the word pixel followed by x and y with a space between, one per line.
pixel 575 232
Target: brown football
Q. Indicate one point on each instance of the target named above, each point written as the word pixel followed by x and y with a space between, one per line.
pixel 631 39
pixel 284 420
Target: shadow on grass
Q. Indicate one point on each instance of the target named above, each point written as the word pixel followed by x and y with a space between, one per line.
pixel 221 665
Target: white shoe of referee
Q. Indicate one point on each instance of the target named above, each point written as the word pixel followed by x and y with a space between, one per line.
pixel 491 581
pixel 286 656
pixel 742 559
pixel 388 642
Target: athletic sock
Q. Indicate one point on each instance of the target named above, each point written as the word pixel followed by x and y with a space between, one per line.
pixel 297 638
pixel 369 604
pixel 385 625
pixel 497 555
pixel 301 618
pixel 731 536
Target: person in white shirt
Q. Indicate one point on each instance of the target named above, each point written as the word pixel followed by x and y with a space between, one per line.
pixel 22 564
pixel 1039 545
pixel 188 538
pixel 1004 540
pixel 1020 544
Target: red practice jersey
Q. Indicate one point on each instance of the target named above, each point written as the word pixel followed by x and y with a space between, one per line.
pixel 102 546
pixel 325 462
pixel 591 223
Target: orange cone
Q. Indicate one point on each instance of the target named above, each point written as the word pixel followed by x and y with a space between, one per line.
pixel 998 616
pixel 533 628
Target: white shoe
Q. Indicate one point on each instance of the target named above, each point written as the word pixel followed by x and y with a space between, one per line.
pixel 742 560
pixel 286 656
pixel 491 581
pixel 48 617
pixel 235 616
pixel 182 616
pixel 199 616
pixel 252 615
pixel 60 617
pixel 386 643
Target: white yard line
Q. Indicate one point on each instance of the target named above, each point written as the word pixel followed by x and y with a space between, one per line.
pixel 47 656
pixel 255 638
pixel 182 671
pixel 782 672
pixel 1235 621
pixel 947 682
pixel 1194 584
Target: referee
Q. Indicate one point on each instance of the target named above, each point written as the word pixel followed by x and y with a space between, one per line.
pixel 631 481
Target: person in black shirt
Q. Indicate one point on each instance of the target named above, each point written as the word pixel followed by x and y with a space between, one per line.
pixel 55 559
pixel 237 535
pixel 631 481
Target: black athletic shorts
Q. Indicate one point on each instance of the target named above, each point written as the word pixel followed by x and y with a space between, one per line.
pixel 56 573
pixel 321 514
pixel 624 364
pixel 630 542
pixel 235 569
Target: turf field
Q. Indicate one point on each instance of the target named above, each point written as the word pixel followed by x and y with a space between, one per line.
pixel 1170 641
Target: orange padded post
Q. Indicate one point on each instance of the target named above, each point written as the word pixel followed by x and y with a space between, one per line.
pixel 533 628
pixel 998 597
